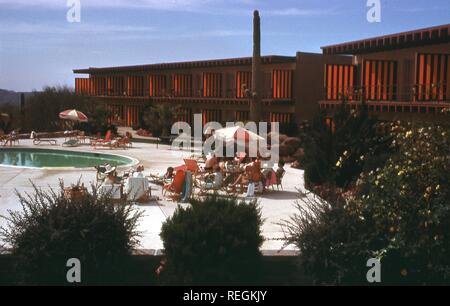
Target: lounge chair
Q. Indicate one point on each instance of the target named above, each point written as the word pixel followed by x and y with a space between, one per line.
pixel 102 142
pixel 38 141
pixel 176 186
pixel 123 142
pixel 71 143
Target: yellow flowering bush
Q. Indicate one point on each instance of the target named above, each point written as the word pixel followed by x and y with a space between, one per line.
pixel 399 213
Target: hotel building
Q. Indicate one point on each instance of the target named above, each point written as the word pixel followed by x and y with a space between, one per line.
pixel 218 89
pixel 399 76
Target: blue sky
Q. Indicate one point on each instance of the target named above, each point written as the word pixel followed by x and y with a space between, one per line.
pixel 39 47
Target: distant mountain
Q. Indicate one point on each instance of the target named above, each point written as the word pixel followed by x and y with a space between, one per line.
pixel 9 96
pixel 12 97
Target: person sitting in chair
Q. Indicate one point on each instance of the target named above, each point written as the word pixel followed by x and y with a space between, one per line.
pixel 211 162
pixel 280 170
pixel 215 180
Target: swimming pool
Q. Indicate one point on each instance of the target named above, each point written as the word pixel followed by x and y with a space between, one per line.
pixel 59 159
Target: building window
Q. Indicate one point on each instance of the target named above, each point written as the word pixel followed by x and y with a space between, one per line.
pixel 433 77
pixel 380 80
pixel 339 81
pixel 282 84
pixel 157 85
pixel 212 85
pixel 243 83
pixel 182 85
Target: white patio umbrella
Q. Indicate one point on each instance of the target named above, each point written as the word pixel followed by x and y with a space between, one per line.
pixel 237 134
pixel 73 115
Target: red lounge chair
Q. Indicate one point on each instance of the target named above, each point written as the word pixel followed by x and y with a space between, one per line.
pixel 176 187
pixel 106 141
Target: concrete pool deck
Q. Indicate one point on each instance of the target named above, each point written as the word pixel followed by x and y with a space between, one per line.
pixel 275 205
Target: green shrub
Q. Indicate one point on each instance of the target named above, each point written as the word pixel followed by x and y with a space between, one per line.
pixel 330 239
pixel 215 241
pixel 400 214
pixel 338 155
pixel 51 229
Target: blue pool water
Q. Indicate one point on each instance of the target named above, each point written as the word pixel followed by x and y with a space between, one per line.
pixel 44 158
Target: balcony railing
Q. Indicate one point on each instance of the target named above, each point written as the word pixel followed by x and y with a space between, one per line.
pixel 411 93
pixel 229 94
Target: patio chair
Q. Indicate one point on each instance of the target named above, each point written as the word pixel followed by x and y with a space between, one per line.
pixel 280 179
pixel 210 186
pixel 176 186
pixel 192 165
pixel 12 139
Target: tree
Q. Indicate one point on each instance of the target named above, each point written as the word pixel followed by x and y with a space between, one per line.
pixel 159 118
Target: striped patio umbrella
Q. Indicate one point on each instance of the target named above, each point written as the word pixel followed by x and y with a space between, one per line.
pixel 73 115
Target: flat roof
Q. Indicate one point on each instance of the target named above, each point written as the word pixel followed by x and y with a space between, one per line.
pixel 420 37
pixel 270 59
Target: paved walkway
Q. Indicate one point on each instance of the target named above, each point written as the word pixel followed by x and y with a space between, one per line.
pixel 275 206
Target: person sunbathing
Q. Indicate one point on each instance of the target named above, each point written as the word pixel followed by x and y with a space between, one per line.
pixel 163 178
pixel 211 162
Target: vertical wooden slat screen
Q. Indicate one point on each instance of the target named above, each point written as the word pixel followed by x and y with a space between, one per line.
pixel 182 85
pixel 339 81
pixel 211 115
pixel 281 117
pixel 135 86
pixel 433 77
pixel 243 80
pixel 132 115
pixel 157 85
pixel 185 115
pixel 380 80
pixel 212 85
pixel 82 86
pixel 282 81
pixel 241 116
